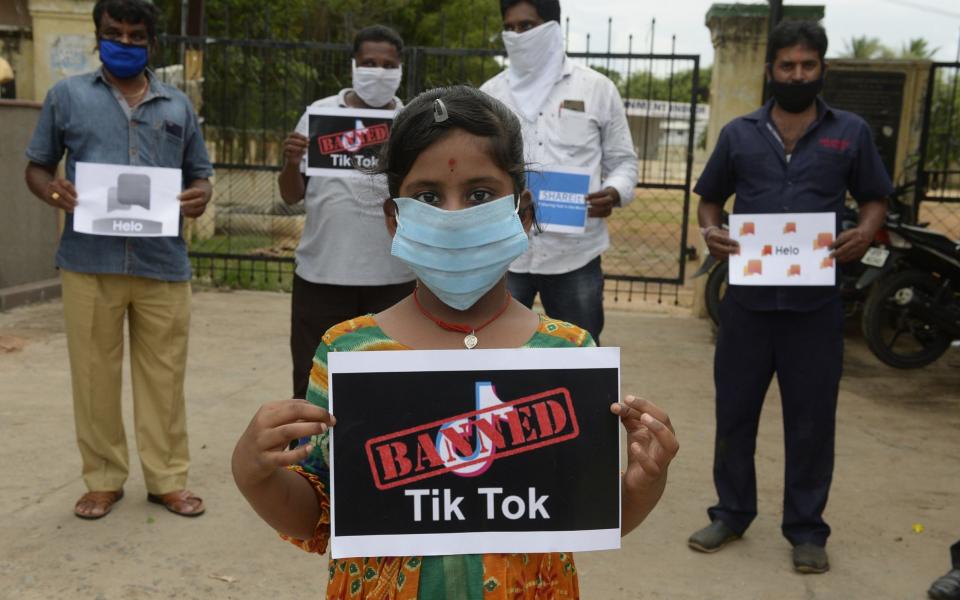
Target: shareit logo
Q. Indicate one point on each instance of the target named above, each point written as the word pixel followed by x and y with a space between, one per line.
pixel 131 190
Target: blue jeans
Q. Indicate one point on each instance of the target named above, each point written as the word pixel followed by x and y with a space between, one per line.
pixel 575 297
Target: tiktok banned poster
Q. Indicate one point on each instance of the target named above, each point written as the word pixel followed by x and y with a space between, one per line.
pixel 474 451
pixel 345 141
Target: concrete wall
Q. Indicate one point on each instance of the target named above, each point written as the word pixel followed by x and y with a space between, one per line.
pixel 16 45
pixel 29 231
pixel 44 41
pixel 14 13
pixel 17 48
pixel 63 41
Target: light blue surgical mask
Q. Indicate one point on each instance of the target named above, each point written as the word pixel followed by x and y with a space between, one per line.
pixel 459 254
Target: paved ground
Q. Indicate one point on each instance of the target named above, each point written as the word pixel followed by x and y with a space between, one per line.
pixel 897 465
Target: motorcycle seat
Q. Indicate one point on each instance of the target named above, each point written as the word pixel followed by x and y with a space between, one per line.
pixel 935 239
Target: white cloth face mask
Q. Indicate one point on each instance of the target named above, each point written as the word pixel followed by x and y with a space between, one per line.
pixel 375 85
pixel 536 64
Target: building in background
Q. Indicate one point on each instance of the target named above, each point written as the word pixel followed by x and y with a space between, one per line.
pixel 660 130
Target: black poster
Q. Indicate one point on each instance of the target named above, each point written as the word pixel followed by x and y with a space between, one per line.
pixel 345 141
pixel 468 451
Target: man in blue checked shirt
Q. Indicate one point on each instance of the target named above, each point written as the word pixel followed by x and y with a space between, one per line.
pixel 122 115
pixel 796 154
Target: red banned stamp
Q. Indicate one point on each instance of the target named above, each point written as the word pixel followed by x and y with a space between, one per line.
pixel 468 443
pixel 353 140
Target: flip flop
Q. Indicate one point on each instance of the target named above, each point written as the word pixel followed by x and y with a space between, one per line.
pixel 174 501
pixel 106 500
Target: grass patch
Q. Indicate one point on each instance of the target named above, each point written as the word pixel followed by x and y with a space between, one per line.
pixel 253 273
pixel 232 244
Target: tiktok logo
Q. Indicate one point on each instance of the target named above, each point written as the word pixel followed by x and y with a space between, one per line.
pixel 484 448
pixel 351 140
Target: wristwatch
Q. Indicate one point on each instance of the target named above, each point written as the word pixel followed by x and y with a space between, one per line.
pixel 704 231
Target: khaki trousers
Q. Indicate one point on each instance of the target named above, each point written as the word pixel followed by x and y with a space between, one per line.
pixel 158 313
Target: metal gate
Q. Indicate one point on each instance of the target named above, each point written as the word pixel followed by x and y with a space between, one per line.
pixel 253 91
pixel 937 199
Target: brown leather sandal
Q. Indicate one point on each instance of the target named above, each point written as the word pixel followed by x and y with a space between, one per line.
pixel 180 502
pixel 98 500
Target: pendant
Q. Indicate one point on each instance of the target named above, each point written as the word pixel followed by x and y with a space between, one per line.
pixel 470 341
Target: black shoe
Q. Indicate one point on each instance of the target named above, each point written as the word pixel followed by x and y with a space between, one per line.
pixel 713 537
pixel 810 558
pixel 947 587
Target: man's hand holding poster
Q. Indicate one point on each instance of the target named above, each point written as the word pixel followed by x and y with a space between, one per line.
pixel 783 249
pixel 344 141
pixel 447 452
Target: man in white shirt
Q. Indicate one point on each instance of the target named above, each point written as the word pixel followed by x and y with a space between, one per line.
pixel 572 117
pixel 344 267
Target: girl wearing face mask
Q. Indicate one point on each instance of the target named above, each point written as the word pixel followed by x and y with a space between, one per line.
pixel 459 214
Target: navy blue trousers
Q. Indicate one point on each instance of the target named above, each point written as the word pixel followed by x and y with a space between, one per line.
pixel 575 297
pixel 805 351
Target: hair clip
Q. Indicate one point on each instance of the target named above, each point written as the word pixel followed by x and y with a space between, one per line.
pixel 439 111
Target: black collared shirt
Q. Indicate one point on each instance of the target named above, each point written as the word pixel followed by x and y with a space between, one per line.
pixel 834 156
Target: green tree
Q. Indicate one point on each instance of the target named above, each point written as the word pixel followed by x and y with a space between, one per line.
pixel 420 22
pixel 917 48
pixel 943 147
pixel 615 76
pixel 866 47
pixel 298 51
pixel 678 87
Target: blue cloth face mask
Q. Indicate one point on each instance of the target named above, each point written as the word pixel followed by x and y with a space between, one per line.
pixel 459 254
pixel 123 60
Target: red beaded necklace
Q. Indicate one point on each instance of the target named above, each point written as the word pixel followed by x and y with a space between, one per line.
pixel 470 340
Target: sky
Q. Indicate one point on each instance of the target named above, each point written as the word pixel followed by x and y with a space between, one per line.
pixel 893 21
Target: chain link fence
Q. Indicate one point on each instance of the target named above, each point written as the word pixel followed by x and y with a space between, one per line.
pixel 938 196
pixel 250 94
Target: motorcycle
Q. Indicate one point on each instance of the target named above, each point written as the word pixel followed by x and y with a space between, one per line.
pixel 912 313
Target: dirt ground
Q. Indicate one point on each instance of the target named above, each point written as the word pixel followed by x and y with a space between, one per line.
pixel 898 469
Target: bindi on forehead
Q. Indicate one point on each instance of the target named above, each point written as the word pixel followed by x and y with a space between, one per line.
pixel 452 163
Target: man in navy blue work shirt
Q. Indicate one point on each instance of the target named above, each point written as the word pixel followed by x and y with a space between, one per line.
pixel 122 115
pixel 793 155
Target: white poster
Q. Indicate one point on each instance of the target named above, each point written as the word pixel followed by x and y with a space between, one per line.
pixel 790 249
pixel 474 451
pixel 127 201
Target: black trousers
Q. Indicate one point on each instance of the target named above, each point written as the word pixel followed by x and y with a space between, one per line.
pixel 316 307
pixel 805 350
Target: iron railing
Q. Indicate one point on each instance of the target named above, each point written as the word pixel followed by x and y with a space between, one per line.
pixel 253 91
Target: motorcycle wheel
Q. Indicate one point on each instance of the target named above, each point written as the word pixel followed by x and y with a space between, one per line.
pixel 894 333
pixel 715 289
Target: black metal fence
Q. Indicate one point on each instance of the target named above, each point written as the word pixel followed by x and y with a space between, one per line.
pixel 253 92
pixel 938 191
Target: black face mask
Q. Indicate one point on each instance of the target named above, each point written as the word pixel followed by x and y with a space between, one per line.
pixel 795 97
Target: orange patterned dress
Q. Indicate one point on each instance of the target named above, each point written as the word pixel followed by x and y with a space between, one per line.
pixel 472 577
